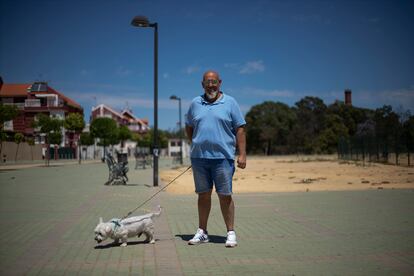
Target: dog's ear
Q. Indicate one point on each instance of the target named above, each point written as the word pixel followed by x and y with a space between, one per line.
pixel 100 220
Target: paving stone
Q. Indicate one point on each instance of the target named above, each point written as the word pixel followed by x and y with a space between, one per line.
pixel 48 216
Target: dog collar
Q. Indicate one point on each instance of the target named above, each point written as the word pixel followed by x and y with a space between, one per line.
pixel 116 223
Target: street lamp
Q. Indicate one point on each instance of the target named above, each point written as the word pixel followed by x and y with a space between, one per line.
pixel 173 97
pixel 142 21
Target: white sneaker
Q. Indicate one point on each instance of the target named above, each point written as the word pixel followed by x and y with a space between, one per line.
pixel 199 237
pixel 231 239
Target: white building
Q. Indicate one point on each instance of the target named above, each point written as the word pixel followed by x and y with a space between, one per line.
pixel 174 147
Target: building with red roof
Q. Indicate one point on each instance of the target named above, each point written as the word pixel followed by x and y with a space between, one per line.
pixel 124 117
pixel 35 98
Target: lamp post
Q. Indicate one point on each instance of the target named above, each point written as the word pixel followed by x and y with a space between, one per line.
pixel 173 97
pixel 142 21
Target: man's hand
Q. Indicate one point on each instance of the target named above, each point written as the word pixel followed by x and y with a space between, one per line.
pixel 241 161
pixel 241 145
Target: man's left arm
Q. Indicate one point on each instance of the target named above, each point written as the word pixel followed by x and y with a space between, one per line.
pixel 241 145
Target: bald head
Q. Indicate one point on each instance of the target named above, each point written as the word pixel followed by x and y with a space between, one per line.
pixel 211 74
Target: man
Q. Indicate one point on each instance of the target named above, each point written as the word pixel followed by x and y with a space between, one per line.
pixel 215 125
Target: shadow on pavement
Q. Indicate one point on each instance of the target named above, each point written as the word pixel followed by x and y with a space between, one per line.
pixel 110 245
pixel 7 170
pixel 212 238
pixel 132 184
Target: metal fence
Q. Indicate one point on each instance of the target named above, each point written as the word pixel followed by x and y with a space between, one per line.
pixel 370 148
pixel 62 153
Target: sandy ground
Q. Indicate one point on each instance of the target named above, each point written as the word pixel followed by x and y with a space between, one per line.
pixel 298 174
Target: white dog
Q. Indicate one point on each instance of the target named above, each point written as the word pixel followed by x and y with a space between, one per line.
pixel 121 230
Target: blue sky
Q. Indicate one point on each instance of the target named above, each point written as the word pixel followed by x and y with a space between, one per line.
pixel 263 50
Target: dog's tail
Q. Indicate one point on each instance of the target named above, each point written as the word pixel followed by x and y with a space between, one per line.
pixel 158 212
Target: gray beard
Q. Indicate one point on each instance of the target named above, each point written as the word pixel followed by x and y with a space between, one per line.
pixel 212 95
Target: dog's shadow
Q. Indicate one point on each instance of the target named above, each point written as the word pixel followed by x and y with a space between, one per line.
pixel 131 184
pixel 212 238
pixel 110 245
pixel 144 185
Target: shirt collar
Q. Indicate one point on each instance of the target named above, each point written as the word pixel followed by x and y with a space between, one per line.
pixel 219 101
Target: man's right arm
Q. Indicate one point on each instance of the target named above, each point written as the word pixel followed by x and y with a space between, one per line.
pixel 189 132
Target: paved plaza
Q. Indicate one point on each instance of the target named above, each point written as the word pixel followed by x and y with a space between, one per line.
pixel 47 217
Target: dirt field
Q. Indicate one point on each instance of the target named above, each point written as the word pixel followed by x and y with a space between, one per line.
pixel 299 174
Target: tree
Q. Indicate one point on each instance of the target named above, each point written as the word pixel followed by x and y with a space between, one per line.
pixel 106 130
pixel 31 143
pixel 114 139
pixel 7 113
pixel 146 140
pixel 408 130
pixel 310 112
pixel 351 116
pixel 86 139
pixel 162 138
pixel 135 137
pixel 3 137
pixel 387 129
pixel 55 138
pixel 364 139
pixel 327 140
pixel 74 123
pixel 124 134
pixel 18 138
pixel 51 127
pixel 268 126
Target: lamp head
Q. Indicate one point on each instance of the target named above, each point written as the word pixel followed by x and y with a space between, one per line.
pixel 140 21
pixel 174 97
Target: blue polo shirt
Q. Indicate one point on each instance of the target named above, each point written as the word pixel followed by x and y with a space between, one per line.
pixel 214 127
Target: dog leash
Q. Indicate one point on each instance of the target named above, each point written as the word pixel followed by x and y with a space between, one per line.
pixel 142 204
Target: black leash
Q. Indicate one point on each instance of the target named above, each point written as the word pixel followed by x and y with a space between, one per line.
pixel 129 213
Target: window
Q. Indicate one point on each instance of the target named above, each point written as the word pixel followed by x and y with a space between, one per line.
pixel 8 125
pixel 38 87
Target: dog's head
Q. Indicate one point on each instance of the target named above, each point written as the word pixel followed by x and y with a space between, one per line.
pixel 102 231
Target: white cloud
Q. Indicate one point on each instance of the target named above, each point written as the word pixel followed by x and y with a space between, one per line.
pixel 249 67
pixel 252 67
pixel 123 72
pixel 192 69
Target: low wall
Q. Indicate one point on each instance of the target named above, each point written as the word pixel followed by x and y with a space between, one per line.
pixel 24 152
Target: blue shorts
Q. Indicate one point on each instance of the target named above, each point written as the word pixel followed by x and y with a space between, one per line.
pixel 209 171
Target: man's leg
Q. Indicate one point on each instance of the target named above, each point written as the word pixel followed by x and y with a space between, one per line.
pixel 227 210
pixel 204 207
